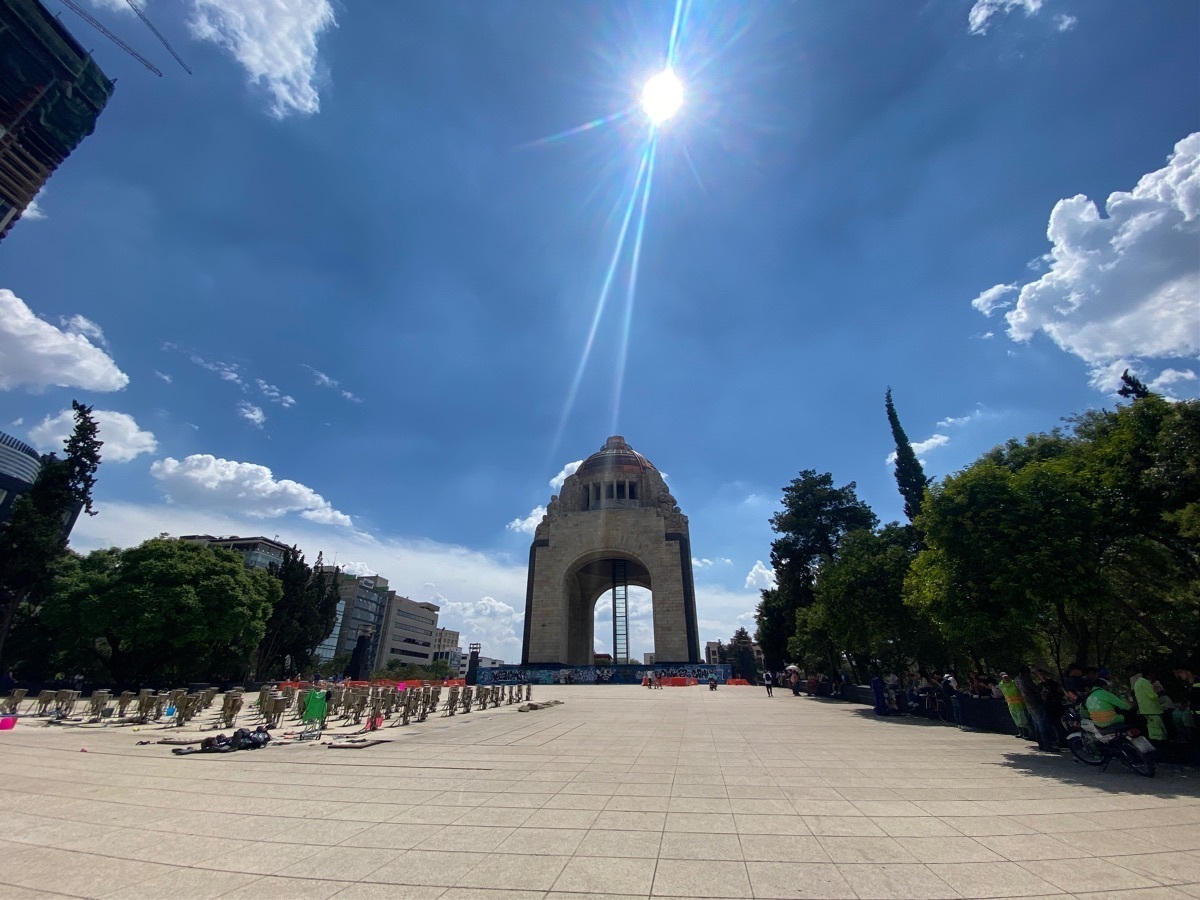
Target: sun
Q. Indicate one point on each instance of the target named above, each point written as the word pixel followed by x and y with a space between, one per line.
pixel 662 97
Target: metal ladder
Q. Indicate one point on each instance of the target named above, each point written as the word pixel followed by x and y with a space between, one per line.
pixel 620 595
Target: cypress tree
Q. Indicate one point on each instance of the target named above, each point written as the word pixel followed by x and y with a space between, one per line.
pixel 1132 387
pixel 910 476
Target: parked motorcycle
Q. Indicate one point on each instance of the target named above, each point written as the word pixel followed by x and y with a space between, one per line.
pixel 1100 746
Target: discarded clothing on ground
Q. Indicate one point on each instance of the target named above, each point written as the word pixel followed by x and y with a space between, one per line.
pixel 242 739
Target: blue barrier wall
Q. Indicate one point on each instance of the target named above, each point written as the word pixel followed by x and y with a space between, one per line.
pixel 550 674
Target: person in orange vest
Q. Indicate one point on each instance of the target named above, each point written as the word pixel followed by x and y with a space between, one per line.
pixel 1016 705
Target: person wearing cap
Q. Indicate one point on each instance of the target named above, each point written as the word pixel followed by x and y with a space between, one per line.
pixel 1016 705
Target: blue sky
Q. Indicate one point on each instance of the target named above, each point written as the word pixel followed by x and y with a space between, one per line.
pixel 335 286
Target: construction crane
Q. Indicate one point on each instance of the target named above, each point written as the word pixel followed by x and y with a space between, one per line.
pixel 100 26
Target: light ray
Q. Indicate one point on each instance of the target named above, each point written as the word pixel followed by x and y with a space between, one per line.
pixel 673 41
pixel 631 288
pixel 605 288
pixel 578 129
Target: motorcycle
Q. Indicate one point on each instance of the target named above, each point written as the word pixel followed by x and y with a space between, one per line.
pixel 1099 746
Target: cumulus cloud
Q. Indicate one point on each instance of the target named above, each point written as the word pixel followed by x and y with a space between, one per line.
pixel 37 355
pixel 979 19
pixel 566 471
pixel 276 43
pixel 920 447
pixel 252 414
pixel 34 212
pixel 84 327
pixel 760 576
pixel 203 480
pixel 275 395
pixel 1122 288
pixel 494 624
pixel 995 298
pixel 529 524
pixel 123 439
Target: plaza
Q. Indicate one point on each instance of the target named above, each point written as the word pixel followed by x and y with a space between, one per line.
pixel 619 792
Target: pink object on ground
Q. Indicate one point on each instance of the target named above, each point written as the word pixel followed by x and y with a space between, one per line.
pixel 7 723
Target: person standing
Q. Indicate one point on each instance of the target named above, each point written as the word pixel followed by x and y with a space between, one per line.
pixel 1035 707
pixel 767 681
pixel 1148 704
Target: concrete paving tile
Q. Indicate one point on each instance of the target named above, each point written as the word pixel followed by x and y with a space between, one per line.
pixel 987 826
pixel 896 882
pixel 566 895
pixel 623 844
pixel 543 841
pixel 604 874
pixel 1169 838
pixel 619 820
pixel 626 803
pixel 712 823
pixel 1002 879
pixel 426 867
pixel 849 826
pixel 468 838
pixel 523 799
pixel 271 887
pixel 474 893
pixel 770 824
pixel 364 890
pixel 184 883
pixel 865 849
pixel 577 801
pixel 1088 875
pixel 260 858
pixel 431 815
pixel 392 836
pixel 340 863
pixel 914 826
pixel 889 808
pixel 1109 843
pixel 761 806
pixel 700 846
pixel 496 816
pixel 793 848
pixel 561 818
pixel 75 873
pixel 701 878
pixel 515 872
pixel 948 849
pixel 1154 893
pixel 700 805
pixel 1024 847
pixel 798 881
pixel 1167 868
pixel 826 808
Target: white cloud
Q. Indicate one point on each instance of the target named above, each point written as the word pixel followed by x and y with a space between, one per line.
pixel 275 42
pixel 979 19
pixel 36 354
pixel 569 469
pixel 273 394
pixel 34 212
pixel 354 567
pixel 987 335
pixel 225 371
pixel 959 421
pixel 1122 287
pixel 934 440
pixel 760 576
pixel 995 298
pixel 205 481
pixel 1162 384
pixel 323 380
pixel 123 439
pixel 164 376
pixel 84 327
pixel 252 414
pixel 17 423
pixel 705 562
pixel 494 624
pixel 529 524
pixel 1064 22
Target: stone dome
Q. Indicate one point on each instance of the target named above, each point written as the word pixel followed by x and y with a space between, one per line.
pixel 615 457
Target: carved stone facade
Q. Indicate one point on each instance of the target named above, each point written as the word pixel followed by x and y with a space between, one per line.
pixel 615 507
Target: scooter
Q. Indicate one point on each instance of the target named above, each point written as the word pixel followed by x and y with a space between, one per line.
pixel 712 684
pixel 1099 746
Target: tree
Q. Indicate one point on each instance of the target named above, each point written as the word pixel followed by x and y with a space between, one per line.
pixel 814 518
pixel 35 537
pixel 166 610
pixel 910 476
pixel 304 615
pixel 1132 387
pixel 741 651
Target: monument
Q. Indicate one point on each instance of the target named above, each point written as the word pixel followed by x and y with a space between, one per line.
pixel 613 525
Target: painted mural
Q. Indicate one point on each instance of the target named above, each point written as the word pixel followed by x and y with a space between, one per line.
pixel 550 674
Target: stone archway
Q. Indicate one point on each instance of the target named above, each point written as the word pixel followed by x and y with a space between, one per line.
pixel 615 506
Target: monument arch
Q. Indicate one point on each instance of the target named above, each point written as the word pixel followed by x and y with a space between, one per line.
pixel 613 525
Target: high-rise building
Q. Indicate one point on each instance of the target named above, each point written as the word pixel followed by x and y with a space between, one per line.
pixel 258 552
pixel 51 93
pixel 19 467
pixel 361 608
pixel 408 633
pixel 447 647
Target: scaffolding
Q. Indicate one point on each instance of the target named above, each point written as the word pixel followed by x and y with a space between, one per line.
pixel 620 610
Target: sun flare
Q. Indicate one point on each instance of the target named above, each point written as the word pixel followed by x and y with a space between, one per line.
pixel 662 97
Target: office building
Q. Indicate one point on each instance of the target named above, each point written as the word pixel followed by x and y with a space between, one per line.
pixel 51 93
pixel 19 467
pixel 362 605
pixel 712 653
pixel 485 662
pixel 446 647
pixel 407 632
pixel 258 552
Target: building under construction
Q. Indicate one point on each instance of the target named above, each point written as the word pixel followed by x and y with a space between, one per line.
pixel 51 93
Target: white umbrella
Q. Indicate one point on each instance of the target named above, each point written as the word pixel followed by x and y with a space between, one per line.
pixel 793 669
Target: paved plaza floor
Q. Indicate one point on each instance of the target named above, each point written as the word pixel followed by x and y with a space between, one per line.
pixel 619 792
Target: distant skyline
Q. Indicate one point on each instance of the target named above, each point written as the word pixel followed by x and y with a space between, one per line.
pixel 366 279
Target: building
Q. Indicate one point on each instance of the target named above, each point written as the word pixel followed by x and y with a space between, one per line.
pixel 408 631
pixel 447 647
pixel 712 653
pixel 485 662
pixel 51 93
pixel 19 467
pixel 258 552
pixel 362 606
pixel 613 524
pixel 647 659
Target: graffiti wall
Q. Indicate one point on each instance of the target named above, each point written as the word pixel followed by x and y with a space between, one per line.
pixel 544 674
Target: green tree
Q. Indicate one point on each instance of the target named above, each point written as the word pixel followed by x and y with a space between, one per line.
pixel 814 518
pixel 166 610
pixel 910 476
pixel 304 615
pixel 34 538
pixel 741 653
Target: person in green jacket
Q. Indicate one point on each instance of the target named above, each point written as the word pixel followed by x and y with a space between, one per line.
pixel 1105 708
pixel 1016 705
pixel 1148 704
